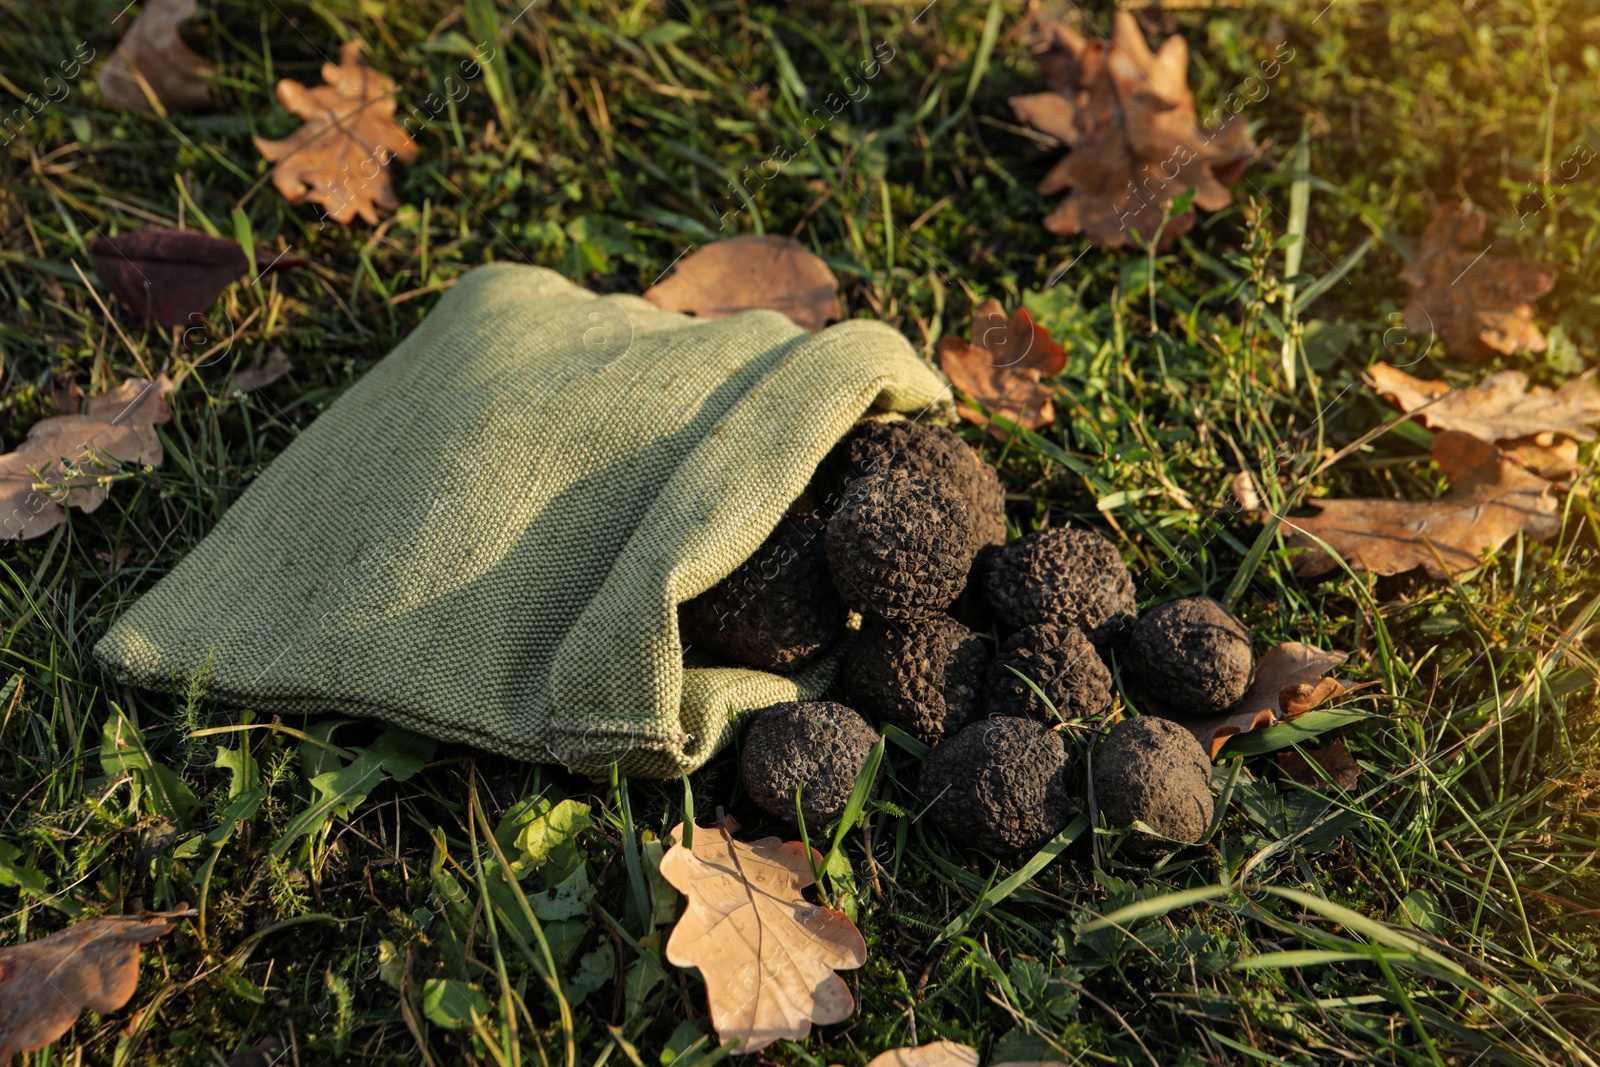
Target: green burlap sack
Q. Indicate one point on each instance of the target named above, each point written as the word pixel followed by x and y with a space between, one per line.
pixel 487 537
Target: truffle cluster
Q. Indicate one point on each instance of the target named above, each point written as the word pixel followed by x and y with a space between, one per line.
pixel 913 508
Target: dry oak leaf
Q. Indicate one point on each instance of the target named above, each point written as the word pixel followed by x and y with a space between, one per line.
pixel 933 1054
pixel 68 454
pixel 767 954
pixel 1490 500
pixel 1334 759
pixel 1129 119
pixel 340 157
pixel 941 1054
pixel 90 966
pixel 1291 679
pixel 151 50
pixel 1003 368
pixel 1499 408
pixel 750 273
pixel 171 277
pixel 1476 304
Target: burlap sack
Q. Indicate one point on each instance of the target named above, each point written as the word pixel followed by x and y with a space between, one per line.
pixel 486 538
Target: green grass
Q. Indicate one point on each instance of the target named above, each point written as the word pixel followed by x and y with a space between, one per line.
pixel 1443 913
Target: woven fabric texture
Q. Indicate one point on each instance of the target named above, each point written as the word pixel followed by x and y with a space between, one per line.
pixel 487 537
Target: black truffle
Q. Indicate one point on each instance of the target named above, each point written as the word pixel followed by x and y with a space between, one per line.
pixel 817 747
pixel 1062 576
pixel 1000 785
pixel 1190 657
pixel 925 675
pixel 1061 662
pixel 901 545
pixel 778 610
pixel 1153 771
pixel 872 448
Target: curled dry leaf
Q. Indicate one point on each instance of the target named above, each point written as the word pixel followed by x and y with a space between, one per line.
pixel 1476 304
pixel 1290 681
pixel 749 273
pixel 1490 500
pixel 1502 408
pixel 68 454
pixel 340 158
pixel 264 369
pixel 152 50
pixel 90 966
pixel 1129 119
pixel 1003 367
pixel 767 954
pixel 1335 761
pixel 171 277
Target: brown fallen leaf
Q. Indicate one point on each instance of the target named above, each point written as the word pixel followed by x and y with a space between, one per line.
pixel 264 369
pixel 933 1054
pixel 1499 408
pixel 1477 304
pixel 1490 500
pixel 70 453
pixel 767 955
pixel 1129 119
pixel 152 50
pixel 755 271
pixel 1334 759
pixel 90 966
pixel 348 131
pixel 1290 681
pixel 1003 367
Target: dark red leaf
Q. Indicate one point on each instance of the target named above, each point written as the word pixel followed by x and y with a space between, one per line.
pixel 168 276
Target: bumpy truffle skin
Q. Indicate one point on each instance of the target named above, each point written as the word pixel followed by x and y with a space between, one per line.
pixel 1072 576
pixel 924 676
pixel 875 447
pixel 1000 785
pixel 901 545
pixel 1153 770
pixel 1061 662
pixel 818 745
pixel 1190 657
pixel 778 610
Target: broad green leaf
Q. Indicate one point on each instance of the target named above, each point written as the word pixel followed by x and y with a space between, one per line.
pixel 243 774
pixel 566 899
pixel 450 1003
pixel 123 751
pixel 17 876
